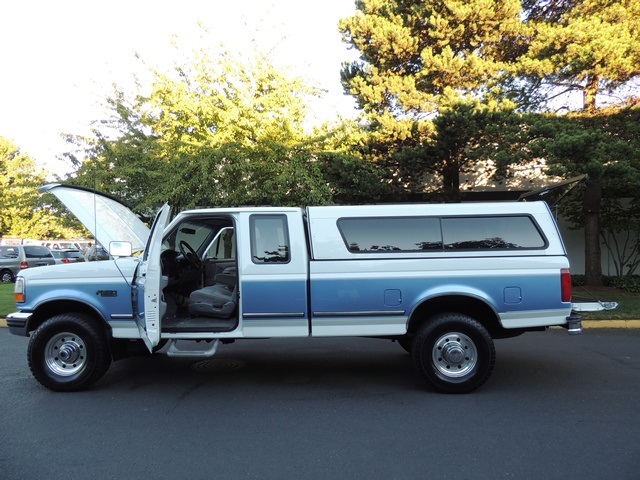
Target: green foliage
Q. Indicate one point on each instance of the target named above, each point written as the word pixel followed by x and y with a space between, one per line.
pixel 630 283
pixel 415 53
pixel 7 303
pixel 605 145
pixel 626 283
pixel 24 213
pixel 467 133
pixel 429 72
pixel 589 46
pixel 425 60
pixel 218 131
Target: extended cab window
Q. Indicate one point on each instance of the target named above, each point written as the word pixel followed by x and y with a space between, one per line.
pixel 269 239
pixel 488 233
pixel 400 234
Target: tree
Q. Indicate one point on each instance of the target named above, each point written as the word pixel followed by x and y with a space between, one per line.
pixel 603 144
pixel 589 47
pixel 343 157
pixel 621 231
pixel 470 134
pixel 218 131
pixel 419 60
pixel 24 213
pixel 415 54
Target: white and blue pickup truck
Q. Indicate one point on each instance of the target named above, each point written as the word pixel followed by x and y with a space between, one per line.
pixel 443 280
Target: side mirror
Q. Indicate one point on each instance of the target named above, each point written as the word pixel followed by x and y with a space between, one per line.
pixel 120 249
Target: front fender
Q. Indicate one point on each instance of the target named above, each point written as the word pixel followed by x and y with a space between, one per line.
pixel 94 286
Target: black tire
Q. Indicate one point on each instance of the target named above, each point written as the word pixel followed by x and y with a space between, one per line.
pixel 68 352
pixel 454 353
pixel 6 276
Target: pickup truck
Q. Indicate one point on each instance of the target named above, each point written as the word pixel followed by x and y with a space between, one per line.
pixel 442 280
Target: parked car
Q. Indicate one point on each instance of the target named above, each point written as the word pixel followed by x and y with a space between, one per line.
pixel 60 245
pixel 96 253
pixel 14 258
pixel 67 256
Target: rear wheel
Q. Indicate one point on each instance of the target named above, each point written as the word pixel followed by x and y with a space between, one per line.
pixel 68 352
pixel 454 353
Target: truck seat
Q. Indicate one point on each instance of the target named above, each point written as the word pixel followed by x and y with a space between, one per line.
pixel 218 300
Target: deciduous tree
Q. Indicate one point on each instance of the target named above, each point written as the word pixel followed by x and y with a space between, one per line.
pixel 216 131
pixel 24 213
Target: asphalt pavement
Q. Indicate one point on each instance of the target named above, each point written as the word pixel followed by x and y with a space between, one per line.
pixel 556 407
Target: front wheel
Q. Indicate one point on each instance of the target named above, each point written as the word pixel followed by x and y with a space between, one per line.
pixel 454 353
pixel 68 352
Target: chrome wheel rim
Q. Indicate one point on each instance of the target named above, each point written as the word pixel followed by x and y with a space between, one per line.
pixel 454 355
pixel 65 354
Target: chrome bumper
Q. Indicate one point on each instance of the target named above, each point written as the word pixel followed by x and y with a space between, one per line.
pixel 17 323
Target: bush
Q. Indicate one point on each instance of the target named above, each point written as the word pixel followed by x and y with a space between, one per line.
pixel 628 284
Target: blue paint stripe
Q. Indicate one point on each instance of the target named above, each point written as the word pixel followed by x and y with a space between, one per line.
pixel 539 292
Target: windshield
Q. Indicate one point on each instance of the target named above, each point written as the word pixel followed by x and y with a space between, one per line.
pixel 195 232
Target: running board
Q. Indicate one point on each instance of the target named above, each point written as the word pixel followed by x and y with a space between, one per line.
pixel 174 351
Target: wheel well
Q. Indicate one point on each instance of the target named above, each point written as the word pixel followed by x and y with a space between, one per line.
pixel 471 306
pixel 48 310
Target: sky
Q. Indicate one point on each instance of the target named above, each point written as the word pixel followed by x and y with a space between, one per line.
pixel 60 59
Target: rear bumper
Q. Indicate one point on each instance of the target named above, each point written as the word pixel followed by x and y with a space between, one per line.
pixel 17 323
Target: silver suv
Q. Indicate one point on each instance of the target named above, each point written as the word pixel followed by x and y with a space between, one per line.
pixel 14 258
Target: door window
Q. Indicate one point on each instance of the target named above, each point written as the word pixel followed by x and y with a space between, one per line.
pixel 269 239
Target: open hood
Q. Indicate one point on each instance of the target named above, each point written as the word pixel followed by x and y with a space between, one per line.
pixel 105 217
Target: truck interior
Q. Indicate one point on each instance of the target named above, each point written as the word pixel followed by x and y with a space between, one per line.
pixel 199 271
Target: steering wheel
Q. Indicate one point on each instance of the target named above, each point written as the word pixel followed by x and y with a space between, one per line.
pixel 190 254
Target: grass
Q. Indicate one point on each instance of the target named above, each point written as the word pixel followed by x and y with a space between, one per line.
pixel 6 299
pixel 628 308
pixel 628 302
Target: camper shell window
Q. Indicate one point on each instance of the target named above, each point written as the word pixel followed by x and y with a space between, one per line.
pixel 384 235
pixel 420 234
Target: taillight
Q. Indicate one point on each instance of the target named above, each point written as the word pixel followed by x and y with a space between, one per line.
pixel 565 282
pixel 23 265
pixel 65 260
